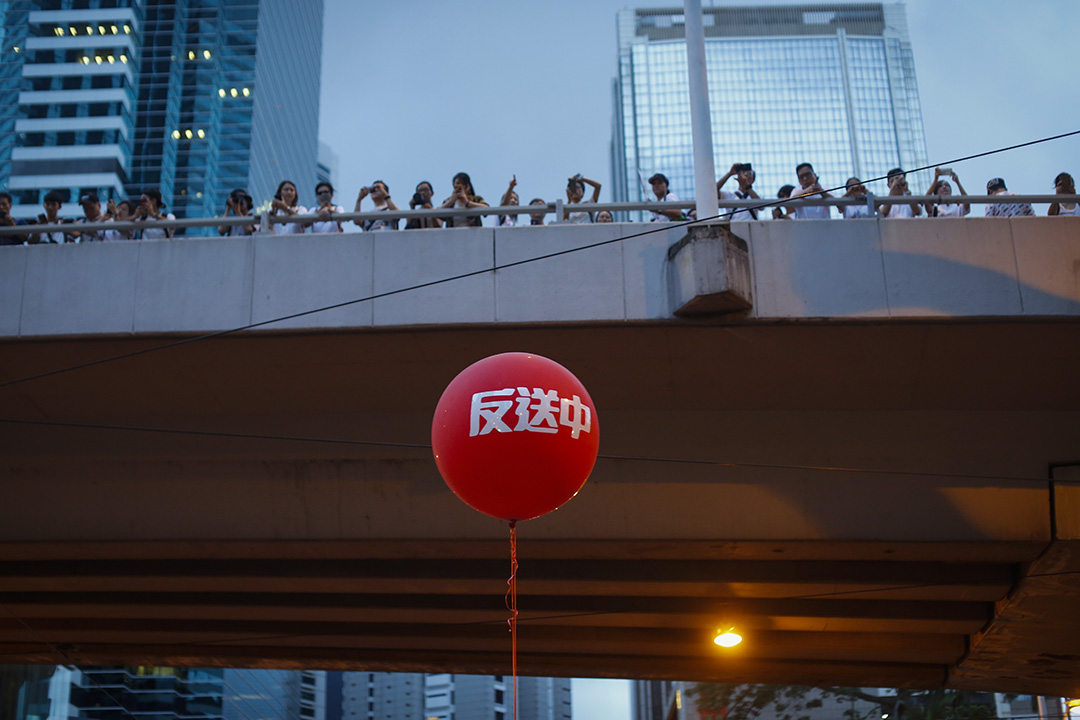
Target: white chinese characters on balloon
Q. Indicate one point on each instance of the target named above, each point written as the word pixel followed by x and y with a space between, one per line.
pixel 536 412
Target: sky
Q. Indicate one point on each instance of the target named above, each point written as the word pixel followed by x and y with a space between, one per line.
pixel 422 89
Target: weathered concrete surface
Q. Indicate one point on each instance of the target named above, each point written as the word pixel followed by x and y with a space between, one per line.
pixel 980 267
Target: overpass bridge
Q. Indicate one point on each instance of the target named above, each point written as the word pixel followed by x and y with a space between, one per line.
pixel 856 441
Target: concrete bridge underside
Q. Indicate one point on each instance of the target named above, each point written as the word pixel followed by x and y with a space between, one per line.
pixel 872 503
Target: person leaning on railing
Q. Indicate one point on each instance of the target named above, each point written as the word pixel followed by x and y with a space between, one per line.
pixel 996 186
pixel 659 183
pixel 781 212
pixel 326 223
pixel 1064 185
pixel 285 203
pixel 810 185
pixel 942 188
pixel 91 206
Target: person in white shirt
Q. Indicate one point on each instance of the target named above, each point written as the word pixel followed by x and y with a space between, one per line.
pixel 898 187
pixel 122 211
pixel 659 183
pixel 52 202
pixel 809 186
pixel 238 203
pixel 464 196
pixel 854 188
pixel 744 173
pixel 509 198
pixel 91 206
pixel 150 208
pixel 380 195
pixel 781 211
pixel 324 193
pixel 1064 185
pixel 942 188
pixel 575 191
pixel 285 203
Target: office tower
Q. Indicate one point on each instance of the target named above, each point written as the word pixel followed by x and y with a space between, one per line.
pixel 382 696
pixel 826 83
pixel 157 693
pixel 193 97
pixel 446 696
pixel 491 697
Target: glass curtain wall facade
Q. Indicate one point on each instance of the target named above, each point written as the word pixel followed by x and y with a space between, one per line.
pixel 193 97
pixel 67 99
pixel 160 693
pixel 829 84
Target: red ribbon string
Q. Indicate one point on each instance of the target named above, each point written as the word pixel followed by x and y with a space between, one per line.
pixel 511 605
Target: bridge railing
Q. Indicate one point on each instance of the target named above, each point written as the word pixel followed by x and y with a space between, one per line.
pixel 556 208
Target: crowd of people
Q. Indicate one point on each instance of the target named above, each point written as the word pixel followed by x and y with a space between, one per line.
pixel 327 215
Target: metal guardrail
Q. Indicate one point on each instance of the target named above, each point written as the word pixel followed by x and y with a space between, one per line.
pixel 557 208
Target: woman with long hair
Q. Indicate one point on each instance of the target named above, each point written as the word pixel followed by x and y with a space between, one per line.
pixel 285 203
pixel 464 196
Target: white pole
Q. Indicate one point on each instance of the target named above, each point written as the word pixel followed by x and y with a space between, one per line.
pixel 700 123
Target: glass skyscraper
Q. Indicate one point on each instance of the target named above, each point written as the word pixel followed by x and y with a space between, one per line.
pixel 193 97
pixel 447 696
pixel 829 84
pixel 160 693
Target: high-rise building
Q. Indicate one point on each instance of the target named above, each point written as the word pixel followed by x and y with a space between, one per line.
pixel 158 693
pixel 193 97
pixel 446 696
pixel 832 84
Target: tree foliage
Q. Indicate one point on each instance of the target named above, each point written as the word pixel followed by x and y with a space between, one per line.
pixel 725 701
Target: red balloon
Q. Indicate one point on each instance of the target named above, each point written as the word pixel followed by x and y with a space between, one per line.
pixel 515 435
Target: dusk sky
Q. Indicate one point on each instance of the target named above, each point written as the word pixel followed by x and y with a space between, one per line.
pixel 419 90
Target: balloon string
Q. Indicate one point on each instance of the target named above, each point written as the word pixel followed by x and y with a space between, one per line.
pixel 511 605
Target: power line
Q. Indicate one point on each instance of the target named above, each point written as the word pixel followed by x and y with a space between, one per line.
pixel 389 293
pixel 427 446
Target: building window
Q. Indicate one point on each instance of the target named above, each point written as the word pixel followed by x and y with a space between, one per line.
pixel 499 697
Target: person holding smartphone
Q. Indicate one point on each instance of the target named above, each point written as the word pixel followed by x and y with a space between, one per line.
pixel 942 188
pixel 380 195
pixel 898 187
pixel 122 211
pixel 744 173
pixel 151 207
